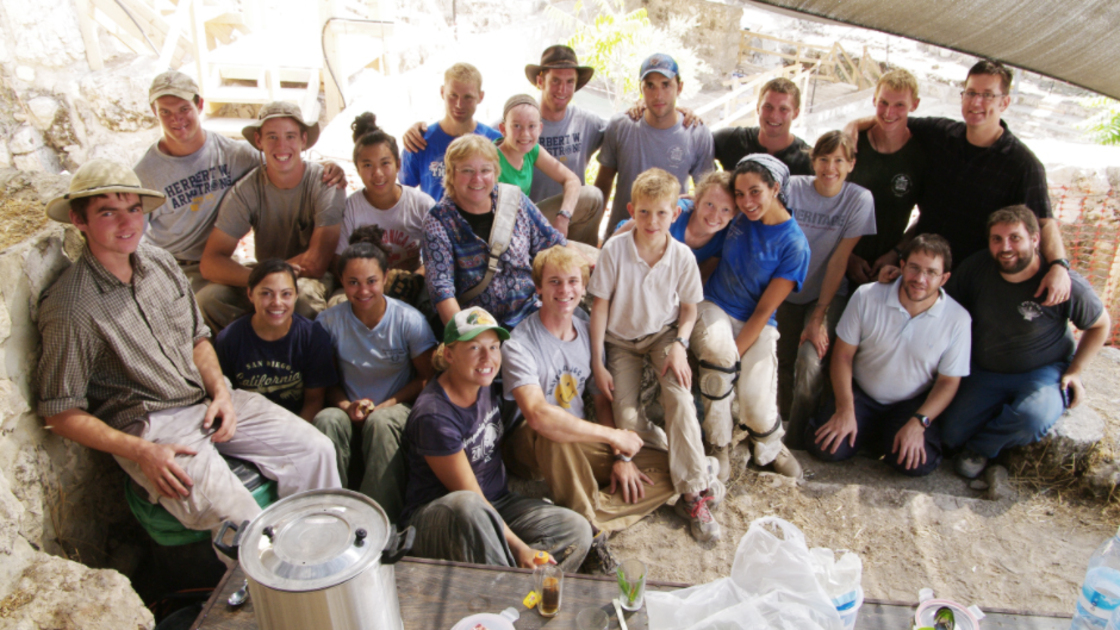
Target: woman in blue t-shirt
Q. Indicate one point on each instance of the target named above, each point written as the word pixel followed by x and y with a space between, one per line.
pixel 457 497
pixel 384 351
pixel 765 257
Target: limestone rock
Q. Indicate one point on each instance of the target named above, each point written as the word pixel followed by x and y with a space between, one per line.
pixel 60 594
pixel 45 33
pixel 43 110
pixel 26 139
pixel 118 100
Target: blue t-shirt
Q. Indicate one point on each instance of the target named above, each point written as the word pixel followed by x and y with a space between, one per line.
pixel 424 170
pixel 438 427
pixel 753 255
pixel 278 370
pixel 377 363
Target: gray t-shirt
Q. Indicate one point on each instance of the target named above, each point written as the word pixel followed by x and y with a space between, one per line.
pixel 572 141
pixel 825 222
pixel 633 147
pixel 403 225
pixel 899 356
pixel 282 220
pixel 194 184
pixel 562 369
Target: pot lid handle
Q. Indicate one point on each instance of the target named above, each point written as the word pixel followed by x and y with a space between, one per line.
pixel 399 544
pixel 233 548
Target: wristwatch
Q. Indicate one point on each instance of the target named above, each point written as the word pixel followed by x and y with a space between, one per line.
pixel 923 419
pixel 1060 261
pixel 566 215
pixel 622 458
pixel 683 341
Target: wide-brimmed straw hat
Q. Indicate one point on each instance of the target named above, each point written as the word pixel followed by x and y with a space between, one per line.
pixel 102 177
pixel 281 109
pixel 560 57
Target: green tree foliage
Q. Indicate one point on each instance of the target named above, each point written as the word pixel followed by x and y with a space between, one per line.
pixel 1104 126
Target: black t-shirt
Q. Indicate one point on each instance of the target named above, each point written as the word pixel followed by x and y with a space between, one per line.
pixel 278 370
pixel 1012 332
pixel 732 143
pixel 481 224
pixel 965 183
pixel 895 181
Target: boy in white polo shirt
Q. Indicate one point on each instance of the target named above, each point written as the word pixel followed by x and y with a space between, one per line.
pixel 901 350
pixel 646 288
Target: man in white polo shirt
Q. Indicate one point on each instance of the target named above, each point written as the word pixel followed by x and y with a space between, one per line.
pixel 900 353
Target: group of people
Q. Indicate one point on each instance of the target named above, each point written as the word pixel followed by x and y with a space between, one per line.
pixel 430 332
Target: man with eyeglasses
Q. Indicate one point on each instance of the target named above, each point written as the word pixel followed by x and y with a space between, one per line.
pixel 978 166
pixel 901 351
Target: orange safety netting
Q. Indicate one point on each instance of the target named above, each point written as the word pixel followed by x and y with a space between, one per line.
pixel 1091 232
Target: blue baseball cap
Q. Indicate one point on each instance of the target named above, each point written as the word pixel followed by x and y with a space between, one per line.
pixel 661 64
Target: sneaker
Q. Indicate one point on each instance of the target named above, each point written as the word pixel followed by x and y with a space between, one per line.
pixel 700 520
pixel 786 464
pixel 600 560
pixel 716 492
pixel 969 464
pixel 722 465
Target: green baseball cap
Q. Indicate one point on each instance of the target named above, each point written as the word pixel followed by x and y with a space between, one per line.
pixel 470 323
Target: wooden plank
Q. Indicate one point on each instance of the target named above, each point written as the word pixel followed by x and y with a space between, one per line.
pixel 181 15
pixel 88 28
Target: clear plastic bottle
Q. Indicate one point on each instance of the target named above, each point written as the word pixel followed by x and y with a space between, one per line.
pixel 1100 594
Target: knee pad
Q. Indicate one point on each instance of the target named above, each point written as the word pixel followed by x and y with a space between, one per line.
pixel 719 381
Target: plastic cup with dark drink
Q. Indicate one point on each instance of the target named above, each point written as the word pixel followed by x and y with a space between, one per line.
pixel 551 589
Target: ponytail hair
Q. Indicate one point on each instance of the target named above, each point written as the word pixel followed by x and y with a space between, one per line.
pixel 367 133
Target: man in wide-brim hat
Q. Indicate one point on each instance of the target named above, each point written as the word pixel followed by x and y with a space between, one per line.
pixel 294 216
pixel 127 368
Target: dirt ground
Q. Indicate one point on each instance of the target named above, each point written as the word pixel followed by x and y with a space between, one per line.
pixel 1026 554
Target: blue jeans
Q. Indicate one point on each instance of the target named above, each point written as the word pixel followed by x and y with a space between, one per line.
pixel 993 411
pixel 876 426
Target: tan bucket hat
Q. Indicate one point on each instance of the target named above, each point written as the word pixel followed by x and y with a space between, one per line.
pixel 173 83
pixel 281 109
pixel 101 177
pixel 560 57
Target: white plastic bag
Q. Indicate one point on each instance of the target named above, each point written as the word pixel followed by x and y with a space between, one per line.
pixel 771 588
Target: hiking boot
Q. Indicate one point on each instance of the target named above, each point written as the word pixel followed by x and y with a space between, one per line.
pixel 600 559
pixel 716 492
pixel 699 516
pixel 786 464
pixel 722 456
pixel 969 464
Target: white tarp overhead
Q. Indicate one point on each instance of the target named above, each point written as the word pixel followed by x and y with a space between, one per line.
pixel 1075 41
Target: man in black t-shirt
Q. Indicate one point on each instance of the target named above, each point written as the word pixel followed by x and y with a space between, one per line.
pixel 779 103
pixel 1026 366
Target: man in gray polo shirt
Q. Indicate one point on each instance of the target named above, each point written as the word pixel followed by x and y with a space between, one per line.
pixel 901 350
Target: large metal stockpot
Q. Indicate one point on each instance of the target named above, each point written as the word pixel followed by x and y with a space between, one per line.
pixel 321 559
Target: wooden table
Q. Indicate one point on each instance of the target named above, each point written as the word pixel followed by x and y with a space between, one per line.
pixel 435 595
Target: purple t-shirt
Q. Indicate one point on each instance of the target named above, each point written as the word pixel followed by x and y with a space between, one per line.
pixel 438 427
pixel 278 370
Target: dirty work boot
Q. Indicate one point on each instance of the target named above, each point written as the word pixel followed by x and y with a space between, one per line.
pixel 722 455
pixel 600 559
pixel 970 464
pixel 786 464
pixel 700 520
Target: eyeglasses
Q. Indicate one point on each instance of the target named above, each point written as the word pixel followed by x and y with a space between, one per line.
pixel 914 270
pixel 987 97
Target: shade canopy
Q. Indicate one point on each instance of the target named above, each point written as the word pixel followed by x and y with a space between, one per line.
pixel 1074 41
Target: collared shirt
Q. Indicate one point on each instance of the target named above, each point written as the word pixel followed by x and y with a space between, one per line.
pixel 455 259
pixel 966 183
pixel 117 350
pixel 899 356
pixel 644 299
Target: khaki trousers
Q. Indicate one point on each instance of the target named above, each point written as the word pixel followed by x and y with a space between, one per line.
pixel 713 341
pixel 584 224
pixel 576 472
pixel 681 437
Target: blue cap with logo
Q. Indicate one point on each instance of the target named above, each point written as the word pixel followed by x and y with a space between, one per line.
pixel 661 64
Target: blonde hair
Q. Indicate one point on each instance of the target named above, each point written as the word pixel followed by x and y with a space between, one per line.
pixel 439 361
pixel 781 85
pixel 463 148
pixel 463 73
pixel 721 179
pixel 562 258
pixel 831 141
pixel 655 185
pixel 898 80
